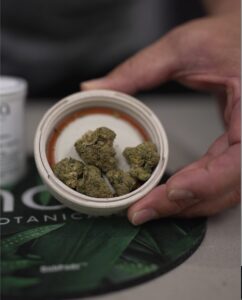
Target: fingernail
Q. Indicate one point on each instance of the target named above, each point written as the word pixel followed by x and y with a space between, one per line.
pixel 179 194
pixel 91 84
pixel 143 216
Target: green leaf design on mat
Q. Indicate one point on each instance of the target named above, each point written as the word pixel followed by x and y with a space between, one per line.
pixel 10 244
pixel 176 239
pixel 32 256
pixel 142 257
pixel 125 270
pixel 10 266
pixel 178 246
pixel 11 284
pixel 44 197
pixel 146 243
pixel 98 242
pixel 107 251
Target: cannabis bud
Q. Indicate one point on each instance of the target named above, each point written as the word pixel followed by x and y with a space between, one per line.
pixel 96 148
pixel 93 184
pixel 99 176
pixel 142 159
pixel 121 181
pixel 69 170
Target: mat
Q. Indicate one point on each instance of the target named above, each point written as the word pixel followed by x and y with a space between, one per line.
pixel 51 252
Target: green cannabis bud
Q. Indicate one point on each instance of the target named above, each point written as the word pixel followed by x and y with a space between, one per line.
pixel 98 175
pixel 96 148
pixel 69 170
pixel 140 173
pixel 92 183
pixel 121 181
pixel 142 159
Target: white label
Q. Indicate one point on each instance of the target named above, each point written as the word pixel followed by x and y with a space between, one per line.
pixel 12 152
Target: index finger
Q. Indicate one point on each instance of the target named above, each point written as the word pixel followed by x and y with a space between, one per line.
pixel 146 69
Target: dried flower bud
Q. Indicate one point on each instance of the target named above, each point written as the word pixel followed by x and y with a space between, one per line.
pixel 140 173
pixel 142 159
pixel 96 148
pixel 121 181
pixel 69 170
pixel 92 183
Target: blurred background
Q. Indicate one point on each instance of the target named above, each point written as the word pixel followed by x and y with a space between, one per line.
pixel 57 44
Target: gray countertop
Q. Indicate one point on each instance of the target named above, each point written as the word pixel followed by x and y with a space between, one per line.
pixel 213 271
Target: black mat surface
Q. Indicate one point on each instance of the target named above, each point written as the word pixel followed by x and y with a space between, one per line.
pixel 51 252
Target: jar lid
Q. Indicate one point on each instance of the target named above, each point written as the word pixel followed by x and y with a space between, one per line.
pixel 12 85
pixel 60 114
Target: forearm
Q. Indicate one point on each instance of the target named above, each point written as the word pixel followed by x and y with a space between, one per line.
pixel 221 6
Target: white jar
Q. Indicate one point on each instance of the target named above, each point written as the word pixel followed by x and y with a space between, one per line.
pixel 12 140
pixel 61 116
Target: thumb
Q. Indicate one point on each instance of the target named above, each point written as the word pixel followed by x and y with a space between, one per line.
pixel 208 186
pixel 219 176
pixel 148 68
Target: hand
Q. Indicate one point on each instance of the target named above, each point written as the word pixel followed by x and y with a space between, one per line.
pixel 202 54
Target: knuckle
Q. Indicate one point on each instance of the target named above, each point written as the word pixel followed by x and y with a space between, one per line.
pixel 190 36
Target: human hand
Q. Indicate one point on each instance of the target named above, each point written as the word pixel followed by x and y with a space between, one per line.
pixel 202 54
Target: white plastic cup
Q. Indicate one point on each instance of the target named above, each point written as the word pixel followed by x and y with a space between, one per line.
pixel 12 146
pixel 123 103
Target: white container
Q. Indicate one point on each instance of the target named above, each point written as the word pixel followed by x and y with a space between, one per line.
pixel 12 149
pixel 127 135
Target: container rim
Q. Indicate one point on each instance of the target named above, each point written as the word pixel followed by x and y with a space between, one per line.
pixel 80 199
